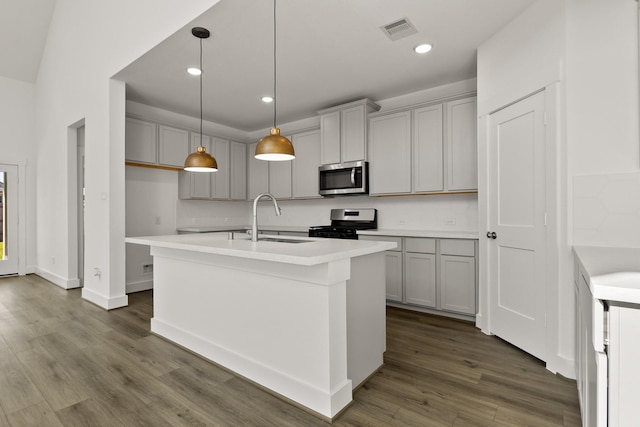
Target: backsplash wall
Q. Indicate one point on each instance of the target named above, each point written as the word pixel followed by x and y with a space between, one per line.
pixel 606 209
pixel 457 212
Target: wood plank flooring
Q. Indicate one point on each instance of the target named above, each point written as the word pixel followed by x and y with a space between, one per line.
pixel 66 362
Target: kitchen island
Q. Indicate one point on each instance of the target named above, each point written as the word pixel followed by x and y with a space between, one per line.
pixel 303 318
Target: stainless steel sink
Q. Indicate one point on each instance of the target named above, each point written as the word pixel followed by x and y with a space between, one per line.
pixel 279 240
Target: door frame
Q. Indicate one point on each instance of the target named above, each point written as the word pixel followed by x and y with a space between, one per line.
pixel 21 165
pixel 555 189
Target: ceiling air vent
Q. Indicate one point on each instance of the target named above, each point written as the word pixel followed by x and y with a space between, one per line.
pixel 399 29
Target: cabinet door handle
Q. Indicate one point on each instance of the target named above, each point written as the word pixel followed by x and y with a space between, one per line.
pixel 491 235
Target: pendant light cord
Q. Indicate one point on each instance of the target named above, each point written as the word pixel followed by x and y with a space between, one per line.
pixel 275 98
pixel 201 72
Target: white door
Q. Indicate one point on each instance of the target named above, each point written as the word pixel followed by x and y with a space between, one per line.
pixel 8 219
pixel 516 203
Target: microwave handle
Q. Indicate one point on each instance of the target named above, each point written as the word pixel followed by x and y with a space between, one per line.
pixel 353 176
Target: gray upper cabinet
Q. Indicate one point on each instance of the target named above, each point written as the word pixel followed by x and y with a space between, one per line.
pixel 462 147
pixel 429 149
pixel 238 171
pixel 141 141
pixel 220 180
pixel 343 131
pixel 305 165
pixel 428 164
pixel 390 153
pixel 173 146
pixel 258 173
pixel 280 179
pixel 195 185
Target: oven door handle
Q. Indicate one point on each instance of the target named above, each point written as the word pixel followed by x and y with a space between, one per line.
pixel 353 177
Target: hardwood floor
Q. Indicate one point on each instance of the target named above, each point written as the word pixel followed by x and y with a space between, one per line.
pixel 66 362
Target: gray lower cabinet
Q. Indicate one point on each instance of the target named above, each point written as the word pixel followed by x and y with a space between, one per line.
pixel 432 274
pixel 420 272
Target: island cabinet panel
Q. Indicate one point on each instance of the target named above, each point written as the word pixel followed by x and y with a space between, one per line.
pixel 308 324
pixel 305 165
pixel 390 153
pixel 428 160
pixel 220 180
pixel 258 171
pixel 173 146
pixel 462 148
pixel 238 161
pixel 195 185
pixel 141 141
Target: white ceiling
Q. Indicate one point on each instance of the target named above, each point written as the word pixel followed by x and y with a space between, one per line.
pixel 23 31
pixel 329 52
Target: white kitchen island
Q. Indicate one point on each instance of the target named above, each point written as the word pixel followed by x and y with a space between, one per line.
pixel 305 320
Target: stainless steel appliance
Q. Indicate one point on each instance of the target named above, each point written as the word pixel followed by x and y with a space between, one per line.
pixel 340 179
pixel 346 222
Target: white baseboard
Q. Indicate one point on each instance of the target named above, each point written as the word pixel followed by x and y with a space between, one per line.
pixel 139 286
pixel 108 303
pixel 57 280
pixel 563 366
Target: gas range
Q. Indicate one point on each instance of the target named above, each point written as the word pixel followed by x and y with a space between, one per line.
pixel 345 223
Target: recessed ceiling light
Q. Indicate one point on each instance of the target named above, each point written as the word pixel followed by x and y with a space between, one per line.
pixel 267 99
pixel 422 48
pixel 194 71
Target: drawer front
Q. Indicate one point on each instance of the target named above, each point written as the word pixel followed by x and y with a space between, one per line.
pixel 397 240
pixel 420 245
pixel 457 247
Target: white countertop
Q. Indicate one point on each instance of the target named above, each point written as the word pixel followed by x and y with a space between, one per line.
pixel 216 228
pixel 436 234
pixel 614 272
pixel 312 252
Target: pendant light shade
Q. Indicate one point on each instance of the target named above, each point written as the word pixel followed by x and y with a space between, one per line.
pixel 200 161
pixel 274 147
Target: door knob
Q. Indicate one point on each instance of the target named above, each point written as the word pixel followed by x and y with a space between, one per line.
pixel 491 235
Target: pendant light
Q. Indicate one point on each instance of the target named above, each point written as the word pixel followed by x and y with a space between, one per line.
pixel 274 147
pixel 200 161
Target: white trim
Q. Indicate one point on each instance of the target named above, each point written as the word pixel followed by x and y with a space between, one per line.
pixel 104 302
pixel 143 285
pixel 57 280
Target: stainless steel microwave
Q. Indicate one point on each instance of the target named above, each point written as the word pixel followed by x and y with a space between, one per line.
pixel 340 179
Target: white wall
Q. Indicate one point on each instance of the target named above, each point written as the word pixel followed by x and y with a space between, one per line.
pixel 87 43
pixel 17 146
pixel 602 86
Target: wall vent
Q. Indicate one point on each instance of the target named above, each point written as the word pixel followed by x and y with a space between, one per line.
pixel 399 29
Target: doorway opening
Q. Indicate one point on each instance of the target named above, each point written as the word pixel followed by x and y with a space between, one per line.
pixel 8 219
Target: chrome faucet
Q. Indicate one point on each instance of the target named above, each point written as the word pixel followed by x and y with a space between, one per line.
pixel 254 224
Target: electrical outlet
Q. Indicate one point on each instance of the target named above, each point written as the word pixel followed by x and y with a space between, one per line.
pixel 147 268
pixel 450 221
pixel 157 220
pixel 53 260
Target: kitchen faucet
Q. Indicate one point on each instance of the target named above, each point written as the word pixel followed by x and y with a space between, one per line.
pixel 254 225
